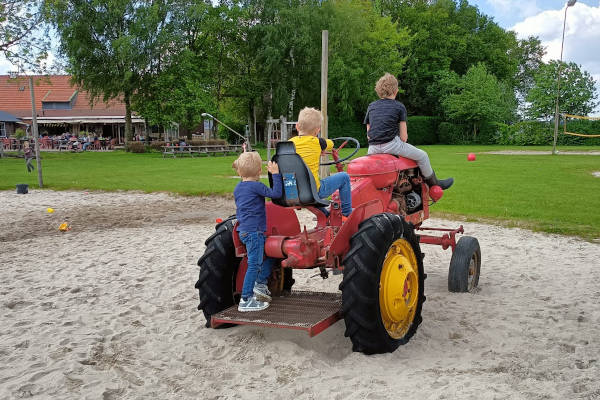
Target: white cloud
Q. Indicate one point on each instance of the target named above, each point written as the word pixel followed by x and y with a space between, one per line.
pixel 5 65
pixel 582 35
pixel 512 7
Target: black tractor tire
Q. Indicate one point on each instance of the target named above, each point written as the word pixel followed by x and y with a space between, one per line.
pixel 361 283
pixel 218 268
pixel 465 266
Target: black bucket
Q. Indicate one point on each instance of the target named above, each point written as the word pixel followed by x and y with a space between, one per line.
pixel 22 188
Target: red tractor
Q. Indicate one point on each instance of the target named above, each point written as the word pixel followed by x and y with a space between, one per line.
pixel 377 248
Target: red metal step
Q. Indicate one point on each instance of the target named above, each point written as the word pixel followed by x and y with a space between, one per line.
pixel 308 311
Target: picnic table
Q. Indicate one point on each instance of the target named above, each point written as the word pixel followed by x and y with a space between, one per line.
pixel 205 149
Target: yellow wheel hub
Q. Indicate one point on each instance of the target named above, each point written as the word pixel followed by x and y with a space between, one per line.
pixel 399 288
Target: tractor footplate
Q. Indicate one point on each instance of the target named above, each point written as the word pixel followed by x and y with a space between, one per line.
pixel 308 311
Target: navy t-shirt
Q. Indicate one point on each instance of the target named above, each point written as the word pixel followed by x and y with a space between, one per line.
pixel 250 203
pixel 383 116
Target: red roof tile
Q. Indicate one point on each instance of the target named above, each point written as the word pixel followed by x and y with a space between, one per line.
pixel 14 98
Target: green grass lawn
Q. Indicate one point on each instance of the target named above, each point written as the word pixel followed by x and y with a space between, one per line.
pixel 543 192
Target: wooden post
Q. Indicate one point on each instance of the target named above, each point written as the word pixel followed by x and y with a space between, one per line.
pixel 38 159
pixel 269 128
pixel 324 170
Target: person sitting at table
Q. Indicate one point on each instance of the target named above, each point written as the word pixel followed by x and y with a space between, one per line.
pixel 87 142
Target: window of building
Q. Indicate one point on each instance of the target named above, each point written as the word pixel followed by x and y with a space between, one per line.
pixel 2 129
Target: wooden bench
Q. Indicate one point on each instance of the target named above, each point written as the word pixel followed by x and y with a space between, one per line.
pixel 206 149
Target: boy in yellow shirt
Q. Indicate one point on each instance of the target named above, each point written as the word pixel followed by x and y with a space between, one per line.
pixel 309 147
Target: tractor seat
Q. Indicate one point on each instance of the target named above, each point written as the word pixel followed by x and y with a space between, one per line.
pixel 299 187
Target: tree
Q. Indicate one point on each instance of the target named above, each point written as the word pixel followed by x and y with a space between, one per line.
pixel 112 44
pixel 23 33
pixel 477 97
pixel 447 35
pixel 530 53
pixel 577 91
pixel 363 46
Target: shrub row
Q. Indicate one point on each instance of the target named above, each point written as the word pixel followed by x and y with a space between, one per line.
pixel 421 130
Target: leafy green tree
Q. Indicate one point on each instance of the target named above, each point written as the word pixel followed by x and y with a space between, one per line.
pixel 447 36
pixel 23 33
pixel 530 53
pixel 183 86
pixel 112 44
pixel 363 46
pixel 577 91
pixel 477 97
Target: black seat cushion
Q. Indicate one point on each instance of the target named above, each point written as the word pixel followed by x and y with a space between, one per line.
pixel 299 187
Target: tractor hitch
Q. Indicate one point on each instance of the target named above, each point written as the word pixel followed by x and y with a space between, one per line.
pixel 446 240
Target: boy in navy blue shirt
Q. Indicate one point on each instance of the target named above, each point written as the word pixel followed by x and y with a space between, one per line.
pixel 387 131
pixel 249 197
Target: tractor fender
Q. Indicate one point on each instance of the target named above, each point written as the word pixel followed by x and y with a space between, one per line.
pixel 281 221
pixel 341 243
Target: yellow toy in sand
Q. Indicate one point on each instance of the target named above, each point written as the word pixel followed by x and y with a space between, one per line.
pixel 50 210
pixel 64 227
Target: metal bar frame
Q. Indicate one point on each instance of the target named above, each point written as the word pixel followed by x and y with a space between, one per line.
pixel 446 240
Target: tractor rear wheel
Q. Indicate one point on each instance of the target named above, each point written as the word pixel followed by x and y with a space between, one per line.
pixel 382 289
pixel 465 265
pixel 218 268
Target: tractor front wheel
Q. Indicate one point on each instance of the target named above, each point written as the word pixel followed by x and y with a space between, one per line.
pixel 218 268
pixel 465 266
pixel 382 288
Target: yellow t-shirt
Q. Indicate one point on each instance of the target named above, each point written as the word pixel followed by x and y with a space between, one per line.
pixel 309 148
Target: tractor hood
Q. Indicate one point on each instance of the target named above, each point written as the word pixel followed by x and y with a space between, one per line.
pixel 381 168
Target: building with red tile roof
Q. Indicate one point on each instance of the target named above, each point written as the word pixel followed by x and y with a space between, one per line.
pixel 62 107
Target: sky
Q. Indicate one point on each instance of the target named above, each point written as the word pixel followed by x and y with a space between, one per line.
pixel 542 18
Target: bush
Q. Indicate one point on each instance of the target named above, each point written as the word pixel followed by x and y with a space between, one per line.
pixel 585 127
pixel 525 133
pixel 201 142
pixel 423 130
pixel 355 129
pixel 449 133
pixel 157 145
pixel 19 133
pixel 136 147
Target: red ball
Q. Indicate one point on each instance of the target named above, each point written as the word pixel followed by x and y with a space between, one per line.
pixel 436 193
pixel 471 157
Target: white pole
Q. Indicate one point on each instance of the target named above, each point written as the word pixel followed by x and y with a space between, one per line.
pixel 556 115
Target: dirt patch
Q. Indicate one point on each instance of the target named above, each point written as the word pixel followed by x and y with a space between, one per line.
pixel 98 211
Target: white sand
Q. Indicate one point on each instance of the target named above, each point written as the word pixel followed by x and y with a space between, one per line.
pixel 108 310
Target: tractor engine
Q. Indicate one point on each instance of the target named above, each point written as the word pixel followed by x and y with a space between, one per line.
pixel 405 193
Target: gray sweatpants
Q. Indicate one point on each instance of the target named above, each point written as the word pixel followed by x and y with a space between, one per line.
pixel 400 148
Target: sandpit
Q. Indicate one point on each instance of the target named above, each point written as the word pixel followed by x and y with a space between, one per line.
pixel 107 310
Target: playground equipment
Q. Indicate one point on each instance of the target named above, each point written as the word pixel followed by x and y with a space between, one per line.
pixel 566 116
pixel 377 248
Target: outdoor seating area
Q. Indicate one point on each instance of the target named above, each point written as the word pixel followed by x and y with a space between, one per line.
pixel 200 150
pixel 59 143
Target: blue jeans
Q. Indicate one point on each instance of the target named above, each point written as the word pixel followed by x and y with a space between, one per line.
pixel 340 181
pixel 259 266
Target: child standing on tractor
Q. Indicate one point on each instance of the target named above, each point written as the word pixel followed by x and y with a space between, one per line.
pixel 309 147
pixel 387 132
pixel 249 197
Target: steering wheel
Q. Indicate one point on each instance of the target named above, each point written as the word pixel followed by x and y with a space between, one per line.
pixel 335 151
